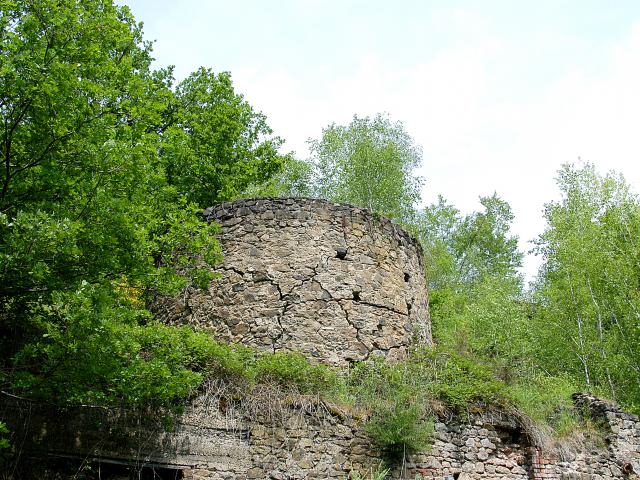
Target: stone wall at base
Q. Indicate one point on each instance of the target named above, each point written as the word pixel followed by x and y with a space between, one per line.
pixel 308 439
pixel 330 280
pixel 210 441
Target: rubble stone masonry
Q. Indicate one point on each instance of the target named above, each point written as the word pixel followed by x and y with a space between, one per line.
pixel 215 441
pixel 329 280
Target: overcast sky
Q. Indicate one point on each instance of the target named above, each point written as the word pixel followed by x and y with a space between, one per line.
pixel 498 93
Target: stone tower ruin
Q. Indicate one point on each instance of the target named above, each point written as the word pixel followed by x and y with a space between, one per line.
pixel 332 281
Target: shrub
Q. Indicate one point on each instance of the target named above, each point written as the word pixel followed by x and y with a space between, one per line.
pixel 398 427
pixel 459 381
pixel 398 421
pixel 379 473
pixel 4 442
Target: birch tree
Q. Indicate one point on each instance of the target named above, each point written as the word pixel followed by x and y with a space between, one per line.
pixel 588 321
pixel 370 163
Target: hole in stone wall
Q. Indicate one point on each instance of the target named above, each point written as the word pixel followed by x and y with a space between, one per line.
pixel 406 277
pixel 356 295
pixel 112 471
pixel 341 253
pixel 409 305
pixel 511 436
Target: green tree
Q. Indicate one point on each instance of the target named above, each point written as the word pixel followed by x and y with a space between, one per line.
pixel 589 307
pixel 215 146
pixel 475 290
pixel 436 227
pixel 93 213
pixel 463 250
pixel 295 179
pixel 482 243
pixel 369 163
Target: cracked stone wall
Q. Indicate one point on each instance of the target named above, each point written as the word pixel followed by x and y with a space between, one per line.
pixel 330 280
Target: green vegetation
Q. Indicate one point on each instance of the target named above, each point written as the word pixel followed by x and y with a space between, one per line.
pixel 106 164
pixel 588 287
pixel 379 474
pixel 4 442
pixel 370 163
pixel 399 420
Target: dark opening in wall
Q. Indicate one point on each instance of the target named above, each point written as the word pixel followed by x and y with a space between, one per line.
pixel 341 253
pixel 409 305
pixel 116 471
pixel 406 277
pixel 356 295
pixel 511 436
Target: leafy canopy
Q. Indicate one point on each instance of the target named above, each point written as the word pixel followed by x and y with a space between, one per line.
pixel 104 168
pixel 215 145
pixel 588 285
pixel 369 163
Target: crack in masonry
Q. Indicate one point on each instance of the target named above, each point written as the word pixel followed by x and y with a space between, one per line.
pixel 324 290
pixel 274 341
pixel 344 229
pixel 338 300
pixel 232 269
pixel 326 296
pixel 288 302
pixel 384 307
pixel 281 297
pixel 346 315
pixel 266 278
pixel 285 307
pixel 312 279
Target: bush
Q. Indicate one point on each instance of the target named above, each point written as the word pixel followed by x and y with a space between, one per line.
pixel 398 422
pixel 379 473
pixel 459 381
pixel 96 348
pixel 4 442
pixel 398 427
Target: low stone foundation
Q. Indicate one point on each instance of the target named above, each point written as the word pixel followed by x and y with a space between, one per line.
pixel 303 438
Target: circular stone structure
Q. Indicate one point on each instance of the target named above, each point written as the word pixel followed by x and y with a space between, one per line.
pixel 330 280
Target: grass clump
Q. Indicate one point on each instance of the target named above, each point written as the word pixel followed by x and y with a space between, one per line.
pixel 379 473
pixel 546 400
pixel 294 369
